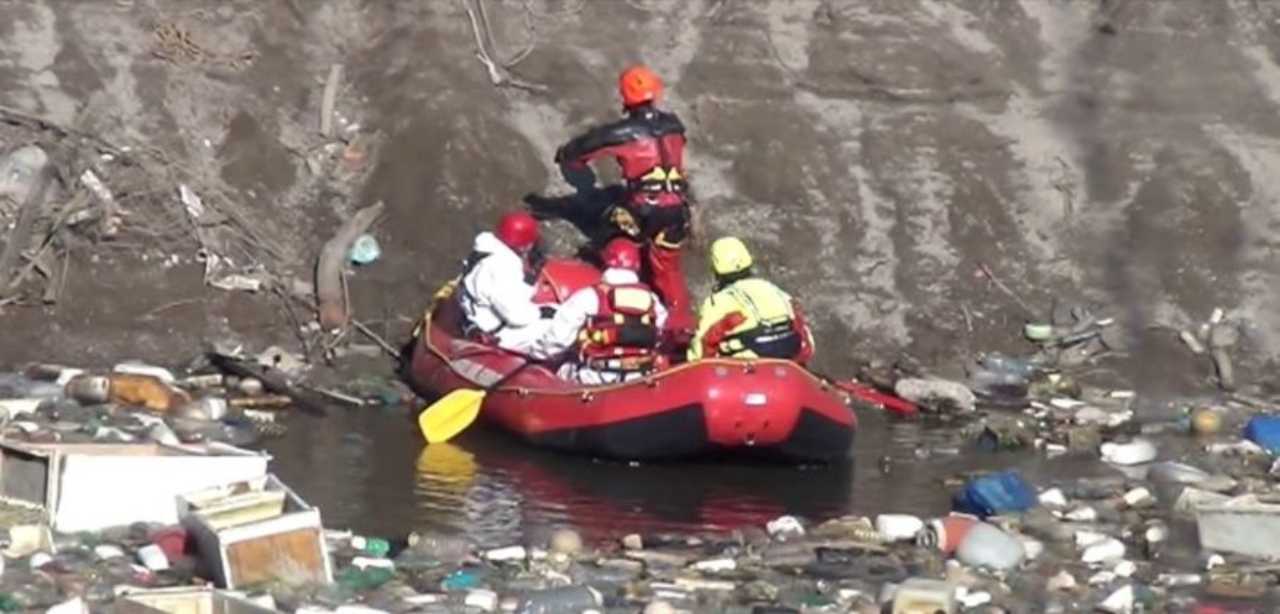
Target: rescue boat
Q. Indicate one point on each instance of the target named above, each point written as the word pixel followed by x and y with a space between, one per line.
pixel 773 409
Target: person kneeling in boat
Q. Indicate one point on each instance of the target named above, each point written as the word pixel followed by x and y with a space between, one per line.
pixel 747 316
pixel 614 324
pixel 496 290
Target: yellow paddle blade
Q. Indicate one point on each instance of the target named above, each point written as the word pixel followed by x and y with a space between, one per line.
pixel 451 415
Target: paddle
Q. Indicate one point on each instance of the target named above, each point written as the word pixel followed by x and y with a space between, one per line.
pixel 454 412
pixel 890 402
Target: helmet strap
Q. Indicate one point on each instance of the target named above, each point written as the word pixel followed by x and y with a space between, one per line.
pixel 724 280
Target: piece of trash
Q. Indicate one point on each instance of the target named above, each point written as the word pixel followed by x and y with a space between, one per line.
pixel 509 553
pixel 153 557
pixel 482 599
pixel 996 493
pixel 365 249
pixel 28 539
pixel 283 360
pixel 237 282
pixel 785 527
pixel 1053 497
pixel 988 546
pixel 257 530
pixel 1135 452
pixel 899 527
pixel 1109 549
pixel 936 393
pixel 946 533
pixel 1264 431
pixel 924 595
pixel 1242 525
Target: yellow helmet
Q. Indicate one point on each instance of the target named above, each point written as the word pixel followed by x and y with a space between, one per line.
pixel 729 255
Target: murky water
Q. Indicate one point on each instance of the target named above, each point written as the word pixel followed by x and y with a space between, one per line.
pixel 369 471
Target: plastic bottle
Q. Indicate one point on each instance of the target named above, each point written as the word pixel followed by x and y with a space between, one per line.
pixel 461 579
pixel 1000 363
pixel 19 169
pixel 1135 452
pixel 373 546
pixel 988 546
pixel 367 579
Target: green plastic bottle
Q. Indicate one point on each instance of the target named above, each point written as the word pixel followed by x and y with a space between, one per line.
pixel 370 578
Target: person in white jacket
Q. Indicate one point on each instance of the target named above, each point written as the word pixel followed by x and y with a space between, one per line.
pixel 495 296
pixel 612 326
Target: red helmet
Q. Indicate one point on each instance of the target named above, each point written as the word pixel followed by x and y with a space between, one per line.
pixel 639 85
pixel 518 230
pixel 621 253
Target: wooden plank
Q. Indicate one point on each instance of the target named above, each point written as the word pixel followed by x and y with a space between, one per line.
pixel 292 556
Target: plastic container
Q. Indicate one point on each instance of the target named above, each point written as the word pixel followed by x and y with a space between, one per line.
pixel 996 493
pixel 946 533
pixel 1264 431
pixel 898 527
pixel 365 249
pixel 1135 452
pixel 988 546
pixel 917 595
pixel 140 368
pixel 89 389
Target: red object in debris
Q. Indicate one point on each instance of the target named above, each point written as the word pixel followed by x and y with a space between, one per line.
pixel 172 540
pixel 1225 608
pixel 947 532
pixel 766 407
pixel 893 403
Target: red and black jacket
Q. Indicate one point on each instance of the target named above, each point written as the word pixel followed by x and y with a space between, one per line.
pixel 649 146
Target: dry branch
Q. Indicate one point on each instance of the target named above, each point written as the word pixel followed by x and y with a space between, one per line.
pixel 334 311
pixel 498 74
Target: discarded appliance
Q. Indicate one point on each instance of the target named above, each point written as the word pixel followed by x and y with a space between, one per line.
pixel 1243 525
pixel 186 600
pixel 88 487
pixel 254 531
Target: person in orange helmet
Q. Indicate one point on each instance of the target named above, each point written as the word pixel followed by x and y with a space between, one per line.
pixel 648 144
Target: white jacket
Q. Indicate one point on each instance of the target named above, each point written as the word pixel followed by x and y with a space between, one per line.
pixel 495 295
pixel 579 308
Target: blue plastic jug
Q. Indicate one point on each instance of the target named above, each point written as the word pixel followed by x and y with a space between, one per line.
pixel 1264 431
pixel 994 494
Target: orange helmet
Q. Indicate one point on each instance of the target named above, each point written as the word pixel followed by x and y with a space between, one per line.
pixel 639 85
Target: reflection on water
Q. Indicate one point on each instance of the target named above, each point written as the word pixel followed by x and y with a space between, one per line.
pixel 369 471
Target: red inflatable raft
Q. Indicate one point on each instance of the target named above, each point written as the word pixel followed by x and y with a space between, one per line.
pixel 769 408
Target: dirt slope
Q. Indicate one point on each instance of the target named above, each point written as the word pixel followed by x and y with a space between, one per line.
pixel 877 153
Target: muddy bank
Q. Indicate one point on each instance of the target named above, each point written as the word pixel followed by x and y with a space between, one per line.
pixel 877 155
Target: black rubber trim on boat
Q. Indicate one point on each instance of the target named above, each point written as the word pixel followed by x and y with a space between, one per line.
pixel 819 438
pixel 676 433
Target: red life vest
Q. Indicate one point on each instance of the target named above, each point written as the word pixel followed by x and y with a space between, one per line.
pixel 623 335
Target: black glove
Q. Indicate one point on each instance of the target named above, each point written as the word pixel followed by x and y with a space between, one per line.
pixel 547 312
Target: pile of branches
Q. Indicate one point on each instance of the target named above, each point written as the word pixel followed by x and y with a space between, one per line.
pixel 80 193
